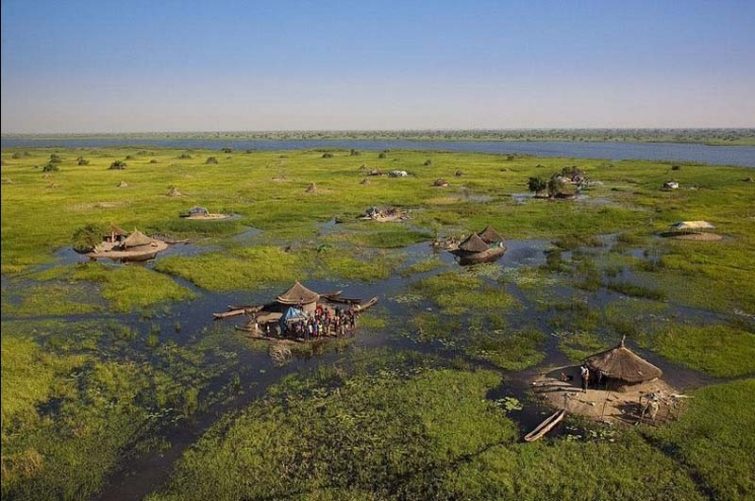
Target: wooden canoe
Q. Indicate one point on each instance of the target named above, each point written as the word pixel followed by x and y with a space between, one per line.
pixel 546 426
pixel 357 304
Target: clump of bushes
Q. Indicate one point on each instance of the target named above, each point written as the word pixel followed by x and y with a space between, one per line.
pixel 211 160
pixel 16 156
pixel 676 167
pixel 55 158
pixel 327 155
pixel 86 238
pixel 226 150
pixel 382 154
pixel 184 156
pixel 153 161
pixel 50 167
pixel 82 161
pixel 129 157
pixel 428 163
pixel 537 185
pixel 117 165
pixel 354 153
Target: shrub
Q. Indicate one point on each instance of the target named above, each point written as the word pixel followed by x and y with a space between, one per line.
pixel 354 153
pixel 537 184
pixel 129 157
pixel 86 238
pixel 82 161
pixel 184 156
pixel 50 167
pixel 153 161
pixel 211 160
pixel 676 167
pixel 327 155
pixel 117 165
pixel 55 158
pixel 16 156
pixel 226 150
pixel 382 154
pixel 428 163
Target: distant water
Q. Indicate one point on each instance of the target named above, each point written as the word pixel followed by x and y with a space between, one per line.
pixel 721 155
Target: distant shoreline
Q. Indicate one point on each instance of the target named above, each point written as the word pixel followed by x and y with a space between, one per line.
pixel 709 137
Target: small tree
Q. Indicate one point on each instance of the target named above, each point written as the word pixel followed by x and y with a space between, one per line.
pixel 428 163
pixel 50 167
pixel 354 153
pixel 55 158
pixel 327 155
pixel 211 160
pixel 537 185
pixel 184 156
pixel 85 239
pixel 117 165
pixel 382 154
pixel 226 150
pixel 82 161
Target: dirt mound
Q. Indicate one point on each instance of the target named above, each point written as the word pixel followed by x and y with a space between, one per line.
pixel 700 237
pixel 312 188
pixel 122 184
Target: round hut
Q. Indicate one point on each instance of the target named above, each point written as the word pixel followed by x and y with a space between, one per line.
pixel 301 297
pixel 114 234
pixel 490 236
pixel 135 241
pixel 621 367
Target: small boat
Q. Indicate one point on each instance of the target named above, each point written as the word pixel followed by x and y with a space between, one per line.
pixel 357 304
pixel 546 426
pixel 229 313
pixel 485 256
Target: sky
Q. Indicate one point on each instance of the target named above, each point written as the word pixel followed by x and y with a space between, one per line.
pixel 139 66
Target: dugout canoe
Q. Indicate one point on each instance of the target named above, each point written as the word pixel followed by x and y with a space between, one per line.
pixel 546 426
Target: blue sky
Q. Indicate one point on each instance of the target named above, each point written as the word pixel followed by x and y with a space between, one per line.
pixel 101 66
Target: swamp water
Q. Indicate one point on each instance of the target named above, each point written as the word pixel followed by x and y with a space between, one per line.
pixel 255 371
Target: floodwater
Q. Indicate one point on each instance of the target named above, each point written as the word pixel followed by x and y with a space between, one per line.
pixel 743 156
pixel 257 371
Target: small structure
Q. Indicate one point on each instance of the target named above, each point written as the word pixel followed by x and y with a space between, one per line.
pixel 300 314
pixel 202 214
pixel 398 173
pixel 670 185
pixel 482 247
pixel 692 230
pixel 385 214
pixel 621 367
pixel 136 246
pixel 196 211
pixel 490 236
pixel 115 234
pixel 475 250
pixel 300 296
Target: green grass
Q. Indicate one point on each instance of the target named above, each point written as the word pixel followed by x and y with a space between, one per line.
pixel 713 438
pixel 719 350
pixel 460 292
pixel 512 351
pixel 579 345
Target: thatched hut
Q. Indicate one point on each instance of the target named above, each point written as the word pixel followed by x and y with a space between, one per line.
pixel 300 296
pixel 114 234
pixel 621 367
pixel 490 236
pixel 135 240
pixel 473 244
pixel 475 250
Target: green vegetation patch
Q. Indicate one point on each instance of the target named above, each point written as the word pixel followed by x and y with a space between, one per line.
pixel 714 439
pixel 460 292
pixel 579 345
pixel 385 434
pixel 508 350
pixel 717 349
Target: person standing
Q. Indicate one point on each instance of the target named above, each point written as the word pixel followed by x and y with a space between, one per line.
pixel 585 373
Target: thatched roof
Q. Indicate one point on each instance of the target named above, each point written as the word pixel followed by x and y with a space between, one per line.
pixel 298 294
pixel 622 363
pixel 692 225
pixel 115 229
pixel 136 239
pixel 489 235
pixel 473 243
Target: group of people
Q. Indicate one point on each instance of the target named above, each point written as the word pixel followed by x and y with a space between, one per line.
pixel 587 375
pixel 324 322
